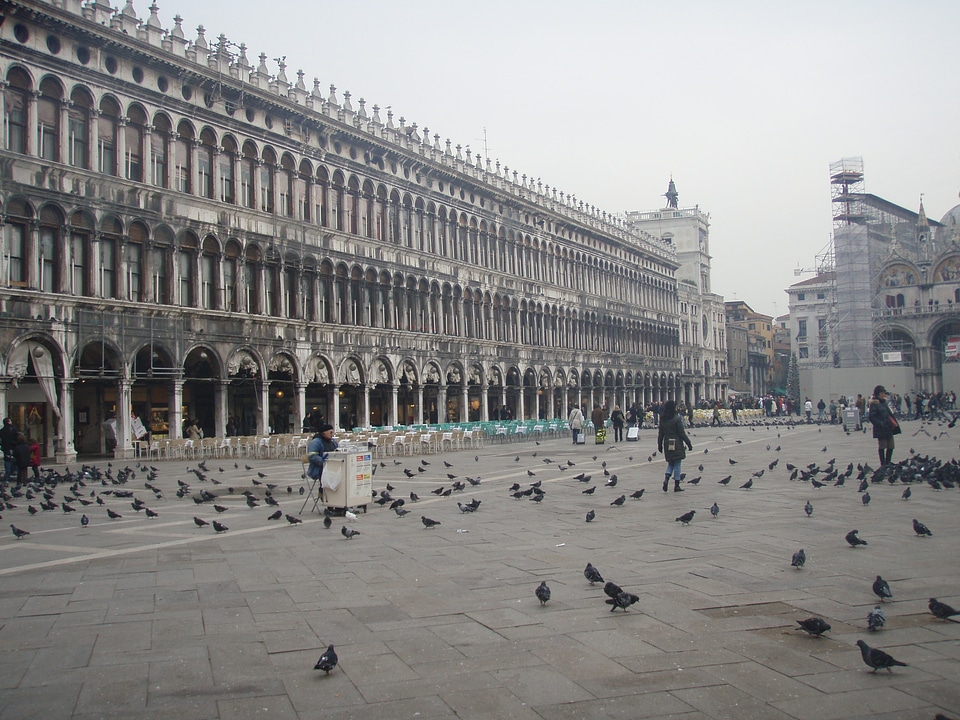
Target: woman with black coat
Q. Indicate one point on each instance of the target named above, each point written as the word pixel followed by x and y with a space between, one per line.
pixel 885 425
pixel 670 442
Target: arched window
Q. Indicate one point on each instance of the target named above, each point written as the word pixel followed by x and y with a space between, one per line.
pixel 205 159
pixel 110 236
pixel 336 202
pixel 17 251
pixel 133 135
pixel 323 186
pixel 209 280
pixel 186 269
pixel 308 291
pixel 304 191
pixel 231 264
pixel 271 285
pixel 267 175
pixel 159 143
pixel 248 166
pixel 291 288
pixel 251 280
pixel 285 186
pixel 183 163
pixel 15 98
pixel 81 233
pixel 135 252
pixel 78 129
pixel 161 257
pixel 107 124
pixel 48 120
pixel 228 161
pixel 51 251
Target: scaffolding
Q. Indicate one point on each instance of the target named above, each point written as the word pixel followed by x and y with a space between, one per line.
pixel 846 192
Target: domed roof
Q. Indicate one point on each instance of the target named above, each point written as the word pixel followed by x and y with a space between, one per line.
pixel 949 226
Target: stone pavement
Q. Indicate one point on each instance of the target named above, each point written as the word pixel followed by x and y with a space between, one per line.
pixel 157 618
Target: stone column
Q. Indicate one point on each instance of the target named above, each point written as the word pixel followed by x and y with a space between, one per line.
pixel 124 447
pixel 485 404
pixel 419 404
pixel 174 415
pixel 335 419
pixel 222 410
pixel 263 422
pixel 365 422
pixel 64 449
pixel 465 407
pixel 395 416
pixel 301 404
pixel 520 410
pixel 441 403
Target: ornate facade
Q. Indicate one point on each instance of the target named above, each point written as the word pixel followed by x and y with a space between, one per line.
pixel 185 234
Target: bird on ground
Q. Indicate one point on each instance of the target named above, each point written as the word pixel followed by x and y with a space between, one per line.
pixel 113 515
pixel 348 532
pixel 637 494
pixel 799 559
pixel 398 510
pixel 408 472
pixel 881 588
pixel 428 523
pixel 619 501
pixel 612 482
pixel 591 515
pixel 725 481
pixel 17 532
pixel 876 658
pixel 350 515
pixel 84 520
pixel 853 540
pixel 439 490
pixel 531 473
pixel 808 509
pixel 466 508
pixel 747 485
pixel 219 527
pixel 414 497
pixel 542 592
pixel 714 510
pixel 251 502
pixel 589 491
pixel 865 498
pixel 327 519
pixel 592 574
pixel 942 610
pixel 920 529
pixel 619 598
pixel 905 495
pixel 150 513
pixel 293 520
pixel 876 619
pixel 814 626
pixel 328 661
pixel 199 522
pixel 732 461
pixel 220 508
pixel 275 516
pixel 686 517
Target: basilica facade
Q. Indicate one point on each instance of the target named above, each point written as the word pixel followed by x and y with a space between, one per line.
pixel 186 234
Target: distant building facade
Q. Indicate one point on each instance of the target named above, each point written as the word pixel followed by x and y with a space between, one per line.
pixel 704 373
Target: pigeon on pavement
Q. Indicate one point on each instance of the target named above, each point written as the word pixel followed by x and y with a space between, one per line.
pixel 876 658
pixel 592 574
pixel 920 529
pixel 542 592
pixel 799 559
pixel 714 510
pixel 348 532
pixel 808 509
pixel 591 515
pixel 876 619
pixel 427 522
pixel 881 588
pixel 686 517
pixel 853 540
pixel 814 626
pixel 942 610
pixel 328 661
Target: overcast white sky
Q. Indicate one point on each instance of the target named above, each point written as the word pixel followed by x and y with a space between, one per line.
pixel 745 103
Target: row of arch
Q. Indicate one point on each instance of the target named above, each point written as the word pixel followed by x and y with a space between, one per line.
pixel 142 263
pixel 174 154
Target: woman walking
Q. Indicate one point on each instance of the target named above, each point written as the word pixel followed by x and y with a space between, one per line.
pixel 670 442
pixel 885 425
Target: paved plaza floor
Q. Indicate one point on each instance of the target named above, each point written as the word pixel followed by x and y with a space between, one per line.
pixel 158 618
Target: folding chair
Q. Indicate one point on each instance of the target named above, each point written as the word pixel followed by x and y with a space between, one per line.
pixel 315 487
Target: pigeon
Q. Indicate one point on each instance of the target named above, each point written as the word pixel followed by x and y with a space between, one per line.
pixel 714 510
pixel 328 661
pixel 220 508
pixel 876 658
pixel 17 532
pixel 853 540
pixel 591 515
pixel 542 592
pixel 113 515
pixel 747 485
pixel 619 501
pixel 348 532
pixel 876 619
pixel 920 529
pixel 942 610
pixel 466 508
pixel 428 523
pixel 398 510
pixel 199 522
pixel 293 520
pixel 808 509
pixel 865 498
pixel 612 482
pixel 622 600
pixel 275 516
pixel 84 520
pixel 686 517
pixel 799 559
pixel 414 497
pixel 725 481
pixel 327 520
pixel 637 494
pixel 351 516
pixel 219 527
pixel 905 495
pixel 814 626
pixel 589 491
pixel 732 461
pixel 592 574
pixel 150 513
pixel 881 588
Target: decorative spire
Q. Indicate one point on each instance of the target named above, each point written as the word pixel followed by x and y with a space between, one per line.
pixel 201 41
pixel 177 31
pixel 154 19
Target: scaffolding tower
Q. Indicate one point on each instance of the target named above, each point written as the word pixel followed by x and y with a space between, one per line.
pixel 846 192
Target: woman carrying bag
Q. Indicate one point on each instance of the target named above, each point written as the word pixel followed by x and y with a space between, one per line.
pixel 671 441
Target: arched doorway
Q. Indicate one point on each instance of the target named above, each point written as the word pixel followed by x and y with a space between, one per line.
pixel 151 391
pixel 201 380
pixel 282 403
pixel 98 371
pixel 244 404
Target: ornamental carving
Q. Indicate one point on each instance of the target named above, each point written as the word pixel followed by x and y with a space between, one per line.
pixel 242 363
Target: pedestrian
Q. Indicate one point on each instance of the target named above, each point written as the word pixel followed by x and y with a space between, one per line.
pixel 821 410
pixel 193 431
pixel 716 415
pixel 617 420
pixel 317 449
pixel 808 409
pixel 833 411
pixel 8 443
pixel 885 425
pixel 35 457
pixel 670 441
pixel 599 424
pixel 576 424
pixel 21 455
